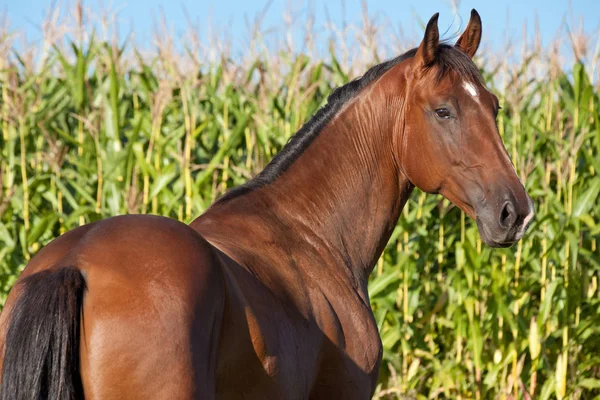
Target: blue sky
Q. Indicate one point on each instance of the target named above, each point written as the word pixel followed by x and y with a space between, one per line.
pixel 500 17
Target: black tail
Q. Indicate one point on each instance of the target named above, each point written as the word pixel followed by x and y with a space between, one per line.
pixel 42 343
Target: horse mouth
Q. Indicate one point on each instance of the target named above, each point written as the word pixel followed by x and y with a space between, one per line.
pixel 488 238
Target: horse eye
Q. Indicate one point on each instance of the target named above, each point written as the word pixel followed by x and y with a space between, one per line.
pixel 443 113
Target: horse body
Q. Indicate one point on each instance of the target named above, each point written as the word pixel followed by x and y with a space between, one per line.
pixel 265 294
pixel 167 315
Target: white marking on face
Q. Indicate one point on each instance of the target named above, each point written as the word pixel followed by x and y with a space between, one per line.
pixel 471 89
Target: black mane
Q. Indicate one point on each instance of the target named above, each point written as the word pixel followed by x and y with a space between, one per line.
pixel 449 58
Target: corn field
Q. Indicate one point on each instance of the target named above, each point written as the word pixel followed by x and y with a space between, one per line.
pixel 91 127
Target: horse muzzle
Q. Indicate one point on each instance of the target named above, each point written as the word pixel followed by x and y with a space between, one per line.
pixel 504 222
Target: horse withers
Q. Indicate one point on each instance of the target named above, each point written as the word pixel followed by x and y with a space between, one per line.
pixel 264 296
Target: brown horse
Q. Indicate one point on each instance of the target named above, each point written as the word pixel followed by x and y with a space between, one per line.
pixel 265 295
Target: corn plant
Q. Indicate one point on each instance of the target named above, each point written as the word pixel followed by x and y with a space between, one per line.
pixel 97 128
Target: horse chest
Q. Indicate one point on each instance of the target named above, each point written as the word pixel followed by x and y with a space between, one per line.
pixel 351 354
pixel 324 346
pixel 266 353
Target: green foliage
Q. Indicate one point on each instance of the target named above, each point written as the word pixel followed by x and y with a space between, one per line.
pixel 91 135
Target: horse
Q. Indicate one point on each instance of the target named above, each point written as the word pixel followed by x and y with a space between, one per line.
pixel 264 296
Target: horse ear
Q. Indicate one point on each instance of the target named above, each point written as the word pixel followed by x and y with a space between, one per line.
pixel 470 39
pixel 428 48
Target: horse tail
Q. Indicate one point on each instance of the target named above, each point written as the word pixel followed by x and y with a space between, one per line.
pixel 42 341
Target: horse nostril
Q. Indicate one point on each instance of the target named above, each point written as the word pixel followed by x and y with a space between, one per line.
pixel 508 216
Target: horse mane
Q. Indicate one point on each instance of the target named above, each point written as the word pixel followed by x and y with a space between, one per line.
pixel 449 58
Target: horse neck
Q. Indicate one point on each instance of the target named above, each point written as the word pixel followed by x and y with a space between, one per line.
pixel 345 191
